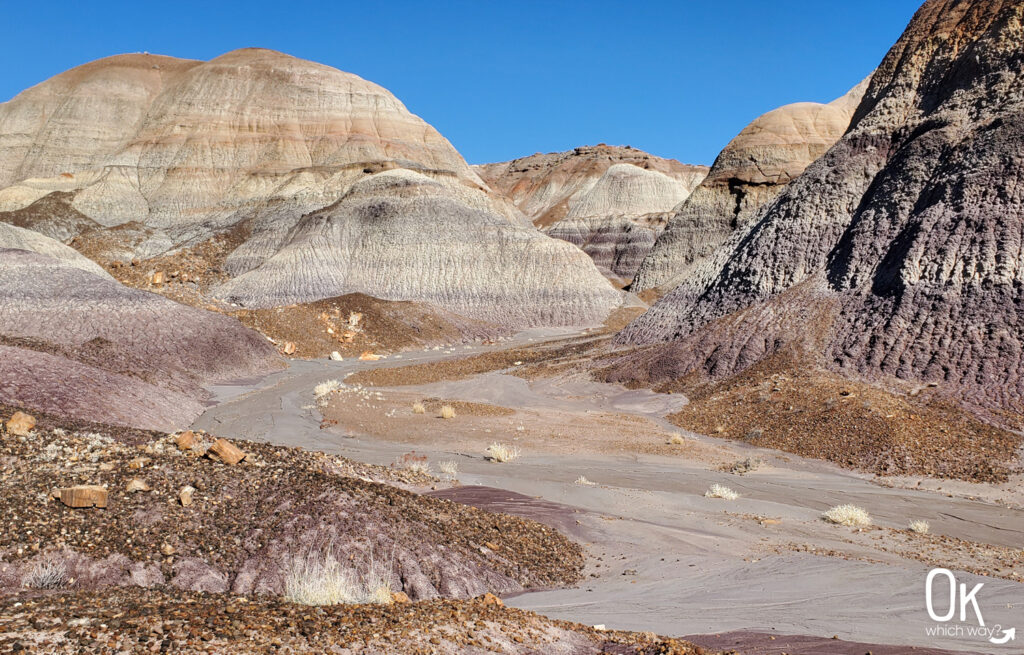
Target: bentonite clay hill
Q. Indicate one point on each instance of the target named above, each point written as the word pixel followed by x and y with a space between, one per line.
pixel 75 342
pixel 134 156
pixel 611 201
pixel 749 172
pixel 401 234
pixel 898 253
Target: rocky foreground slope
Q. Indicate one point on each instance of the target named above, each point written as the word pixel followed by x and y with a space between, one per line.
pixel 147 542
pixel 898 253
pixel 611 201
pixel 750 171
pixel 135 156
pixel 75 342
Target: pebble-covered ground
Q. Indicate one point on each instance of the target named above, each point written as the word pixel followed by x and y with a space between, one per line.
pixel 133 620
pixel 244 523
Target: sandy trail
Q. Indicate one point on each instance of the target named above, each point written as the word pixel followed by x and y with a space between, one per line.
pixel 664 557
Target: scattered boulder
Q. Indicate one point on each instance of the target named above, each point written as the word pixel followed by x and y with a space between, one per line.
pixel 80 496
pixel 20 424
pixel 135 485
pixel 186 440
pixel 400 598
pixel 369 357
pixel 491 599
pixel 288 348
pixel 226 452
pixel 336 356
pixel 185 495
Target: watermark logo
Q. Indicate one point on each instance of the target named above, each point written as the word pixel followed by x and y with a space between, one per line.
pixel 946 600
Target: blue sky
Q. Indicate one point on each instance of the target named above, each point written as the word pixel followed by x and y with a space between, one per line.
pixel 503 80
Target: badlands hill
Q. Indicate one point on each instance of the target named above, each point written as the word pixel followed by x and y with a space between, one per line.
pixel 611 201
pixel 142 155
pixel 896 255
pixel 76 343
pixel 749 172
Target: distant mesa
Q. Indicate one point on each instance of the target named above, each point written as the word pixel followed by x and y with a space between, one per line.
pixel 611 201
pixel 157 154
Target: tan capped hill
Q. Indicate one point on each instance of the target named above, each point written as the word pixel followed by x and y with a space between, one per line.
pixel 611 201
pixel 140 156
pixel 750 171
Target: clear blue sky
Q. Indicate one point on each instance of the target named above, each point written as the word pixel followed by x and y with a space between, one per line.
pixel 503 80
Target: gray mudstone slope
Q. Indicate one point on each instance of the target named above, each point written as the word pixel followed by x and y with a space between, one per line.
pixel 910 226
pixel 400 234
pixel 611 201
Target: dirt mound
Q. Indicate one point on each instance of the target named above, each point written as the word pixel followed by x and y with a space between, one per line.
pixel 244 526
pixel 321 327
pixel 134 620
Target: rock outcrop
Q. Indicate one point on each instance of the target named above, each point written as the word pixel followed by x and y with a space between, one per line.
pixel 750 171
pixel 135 156
pixel 610 201
pixel 80 344
pixel 900 249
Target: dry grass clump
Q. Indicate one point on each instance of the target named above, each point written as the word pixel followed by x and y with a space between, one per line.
pixel 449 467
pixel 582 480
pixel 919 526
pixel 325 388
pixel 320 579
pixel 46 575
pixel 499 452
pixel 418 408
pixel 848 515
pixel 721 491
pixel 676 440
pixel 447 412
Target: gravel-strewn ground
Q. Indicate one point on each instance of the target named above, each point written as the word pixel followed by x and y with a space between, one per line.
pixel 133 620
pixel 247 522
